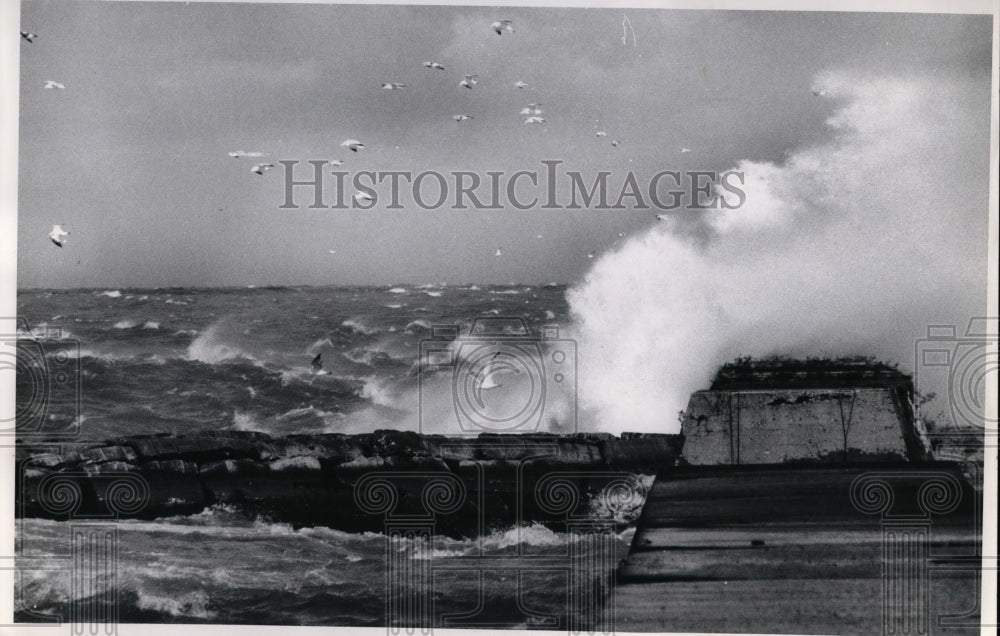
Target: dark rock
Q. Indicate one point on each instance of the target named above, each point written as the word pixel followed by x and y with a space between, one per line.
pixel 311 479
pixel 109 468
pixel 196 448
pixel 108 454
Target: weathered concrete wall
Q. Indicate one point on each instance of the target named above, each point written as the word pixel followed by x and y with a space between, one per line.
pixel 781 425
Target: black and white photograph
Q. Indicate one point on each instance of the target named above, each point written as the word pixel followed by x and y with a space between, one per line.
pixel 576 317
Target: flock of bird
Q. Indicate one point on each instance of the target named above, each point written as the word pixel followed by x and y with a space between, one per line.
pixel 532 113
pixel 532 116
pixel 58 234
pixel 30 37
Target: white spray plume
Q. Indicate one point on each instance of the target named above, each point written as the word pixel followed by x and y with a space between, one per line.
pixel 851 246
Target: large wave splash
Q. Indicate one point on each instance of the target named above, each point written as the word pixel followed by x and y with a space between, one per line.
pixel 849 246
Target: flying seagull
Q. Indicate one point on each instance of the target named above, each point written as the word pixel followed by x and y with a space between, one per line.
pixel 662 217
pixel 236 154
pixel 461 117
pixel 29 36
pixel 57 235
pixel 336 162
pixel 502 25
pixel 601 133
pixel 53 84
pixel 531 109
pixel 353 144
pixel 520 84
pixel 317 365
pixel 486 380
pixel 535 120
pixel 391 86
pixel 469 81
pixel 615 142
pixel 436 65
pixel 361 198
pixel 819 92
pixel 685 150
pixel 261 168
pixel 332 251
pixel 499 253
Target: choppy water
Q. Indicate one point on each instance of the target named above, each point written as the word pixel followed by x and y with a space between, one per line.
pixel 218 567
pixel 184 360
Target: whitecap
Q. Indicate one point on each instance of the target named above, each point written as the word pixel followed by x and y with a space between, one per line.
pixel 357 325
pixel 417 325
pixel 209 348
pixel 193 604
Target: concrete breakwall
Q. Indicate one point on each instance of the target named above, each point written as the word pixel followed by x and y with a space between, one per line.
pixel 773 426
pixel 351 482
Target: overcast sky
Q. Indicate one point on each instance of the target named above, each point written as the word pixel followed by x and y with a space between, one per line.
pixel 132 156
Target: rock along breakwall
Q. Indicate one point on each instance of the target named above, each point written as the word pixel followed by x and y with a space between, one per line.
pixel 313 479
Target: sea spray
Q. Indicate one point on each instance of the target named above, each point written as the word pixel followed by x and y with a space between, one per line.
pixel 826 257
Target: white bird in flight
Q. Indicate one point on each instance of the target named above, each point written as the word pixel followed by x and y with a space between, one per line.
pixel 391 86
pixel 535 120
pixel 590 255
pixel 487 380
pixel 499 253
pixel 470 80
pixel 662 217
pixel 461 117
pixel 615 142
pixel 502 25
pixel 53 84
pixel 261 168
pixel 601 133
pixel 520 84
pixel 336 162
pixel 317 365
pixel 531 109
pixel 236 154
pixel 683 150
pixel 332 251
pixel 436 65
pixel 57 235
pixel 819 92
pixel 29 36
pixel 361 198
pixel 353 144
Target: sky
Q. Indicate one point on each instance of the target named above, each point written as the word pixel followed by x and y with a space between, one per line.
pixel 131 157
